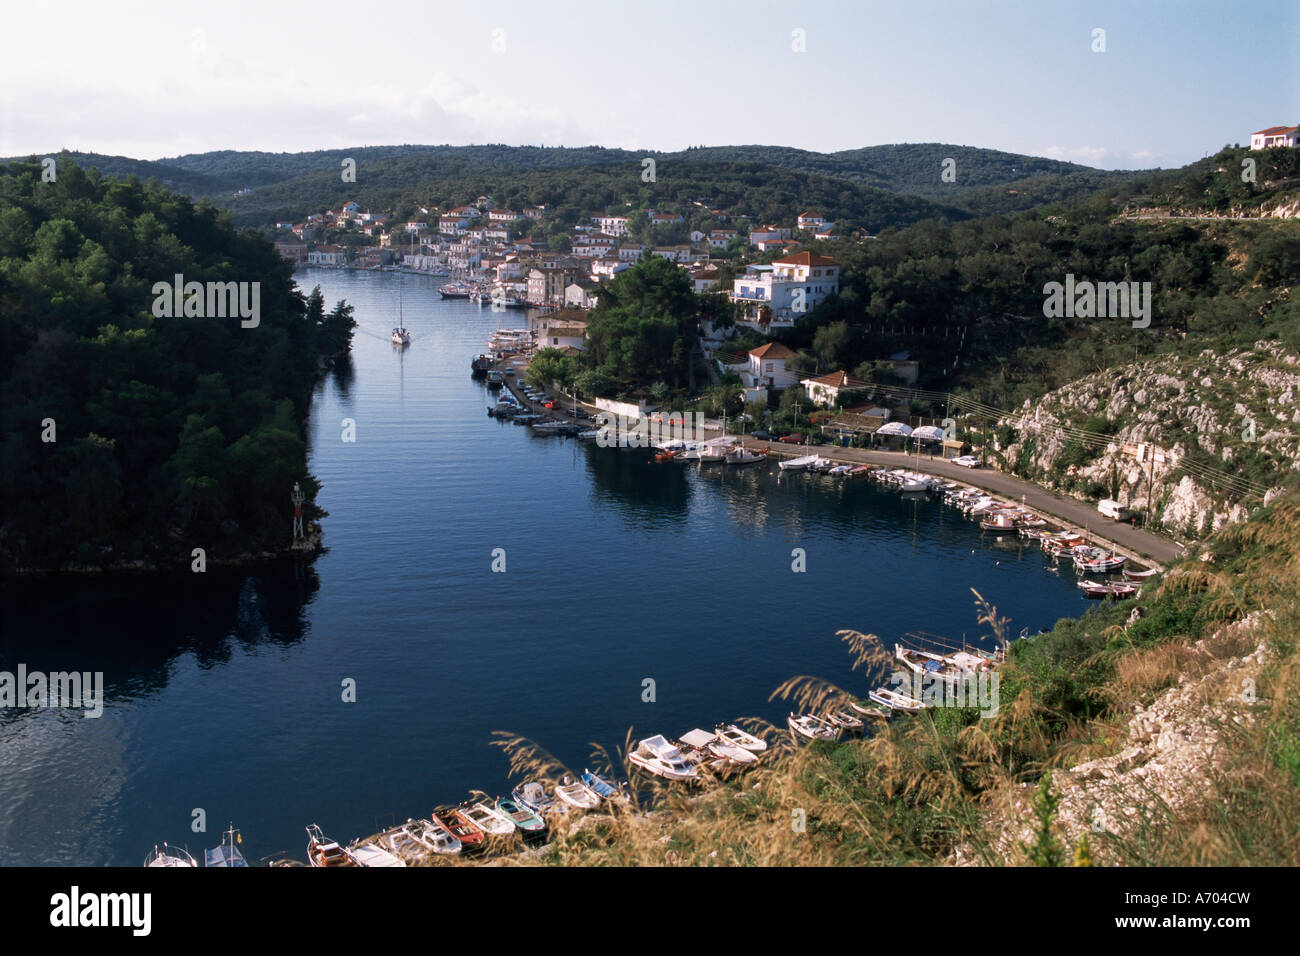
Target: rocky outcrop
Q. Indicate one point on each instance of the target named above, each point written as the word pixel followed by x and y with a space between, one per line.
pixel 1220 406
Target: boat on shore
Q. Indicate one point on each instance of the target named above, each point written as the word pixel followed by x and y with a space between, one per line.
pixel 734 735
pixel 1093 589
pixel 655 755
pixel 799 464
pixel 529 822
pixel 603 788
pixel 870 708
pixel 895 701
pixel 534 796
pixel 370 854
pixel 472 838
pixel 812 727
pixel 577 794
pixel 488 818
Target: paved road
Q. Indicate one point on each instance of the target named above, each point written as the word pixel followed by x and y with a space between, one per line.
pixel 1076 515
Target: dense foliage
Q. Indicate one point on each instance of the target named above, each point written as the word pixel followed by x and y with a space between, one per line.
pixel 129 437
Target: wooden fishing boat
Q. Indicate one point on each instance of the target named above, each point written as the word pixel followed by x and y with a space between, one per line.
pixel 1140 575
pixel 845 721
pixel 324 852
pixel 529 823
pixel 577 794
pixel 472 839
pixel 812 727
pixel 734 735
pixel 895 701
pixel 1094 589
pixel 534 796
pixel 371 854
pixel 604 788
pixel 871 709
pixel 488 819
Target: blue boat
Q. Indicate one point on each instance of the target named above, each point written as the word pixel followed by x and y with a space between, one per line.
pixel 604 789
pixel 228 853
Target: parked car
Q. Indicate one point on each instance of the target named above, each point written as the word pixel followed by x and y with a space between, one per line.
pixel 764 435
pixel 792 439
pixel 967 461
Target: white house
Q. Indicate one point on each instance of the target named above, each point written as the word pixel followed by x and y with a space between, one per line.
pixel 704 278
pixel 630 251
pixel 612 225
pixel 1275 136
pixel 767 366
pixel 502 215
pixel 825 390
pixel 327 256
pixel 811 221
pixel 563 329
pixel 774 296
pixel 721 238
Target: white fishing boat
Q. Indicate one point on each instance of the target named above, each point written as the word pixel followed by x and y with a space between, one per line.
pixel 734 735
pixel 798 464
pixel 740 455
pixel 400 335
pixel 488 819
pixel 657 756
pixel 952 670
pixel 165 855
pixel 1140 575
pixel 712 744
pixel 896 701
pixel 812 727
pixel 534 796
pixel 577 794
pixel 402 842
pixel 371 854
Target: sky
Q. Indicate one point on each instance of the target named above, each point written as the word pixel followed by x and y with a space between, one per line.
pixel 1176 80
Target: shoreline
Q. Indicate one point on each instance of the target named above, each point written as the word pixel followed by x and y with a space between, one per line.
pixel 1070 514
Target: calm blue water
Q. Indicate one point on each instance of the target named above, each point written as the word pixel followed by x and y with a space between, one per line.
pixel 225 689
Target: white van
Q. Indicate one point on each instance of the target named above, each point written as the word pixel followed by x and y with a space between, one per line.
pixel 1113 509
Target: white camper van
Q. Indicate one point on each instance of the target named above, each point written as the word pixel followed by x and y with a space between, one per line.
pixel 1113 509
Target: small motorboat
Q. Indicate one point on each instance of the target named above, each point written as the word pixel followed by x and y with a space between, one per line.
pixel 402 842
pixel 529 823
pixel 164 855
pixel 401 336
pixel 324 852
pixel 228 853
pixel 577 794
pixel 896 701
pixel 734 735
pixel 371 854
pixel 798 464
pixel 472 838
pixel 534 796
pixel 655 755
pixel 488 819
pixel 603 788
pixel 812 727
pixel 436 837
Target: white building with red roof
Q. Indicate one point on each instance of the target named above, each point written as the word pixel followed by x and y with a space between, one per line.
pixel 767 366
pixel 774 296
pixel 1275 136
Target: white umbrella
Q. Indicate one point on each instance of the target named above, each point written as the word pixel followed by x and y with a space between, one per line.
pixel 929 433
pixel 895 428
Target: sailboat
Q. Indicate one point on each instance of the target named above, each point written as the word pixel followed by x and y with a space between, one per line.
pixel 401 337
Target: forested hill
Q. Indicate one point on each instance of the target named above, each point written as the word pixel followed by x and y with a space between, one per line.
pixel 129 438
pixel 984 181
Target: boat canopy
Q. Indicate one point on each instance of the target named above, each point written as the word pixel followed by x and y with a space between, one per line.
pixel 699 738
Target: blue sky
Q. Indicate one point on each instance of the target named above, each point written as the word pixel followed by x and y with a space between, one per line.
pixel 1177 80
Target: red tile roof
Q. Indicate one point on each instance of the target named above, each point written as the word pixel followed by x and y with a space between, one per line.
pixel 772 350
pixel 805 259
pixel 1276 131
